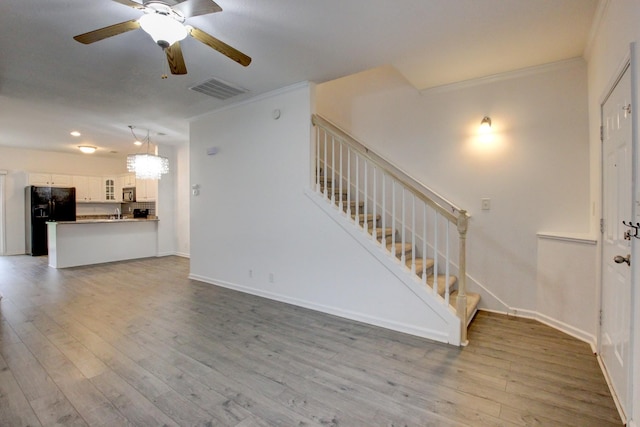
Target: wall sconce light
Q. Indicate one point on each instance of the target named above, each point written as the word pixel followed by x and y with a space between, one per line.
pixel 485 124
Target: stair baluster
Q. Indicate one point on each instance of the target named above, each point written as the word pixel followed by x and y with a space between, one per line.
pixel 384 212
pixel 348 182
pixel 341 202
pixel 318 169
pixel 393 218
pixel 374 234
pixel 325 165
pixel 424 245
pixel 365 198
pixel 413 234
pixel 436 253
pixel 446 264
pixel 357 190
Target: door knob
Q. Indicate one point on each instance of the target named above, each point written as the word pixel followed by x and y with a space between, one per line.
pixel 619 259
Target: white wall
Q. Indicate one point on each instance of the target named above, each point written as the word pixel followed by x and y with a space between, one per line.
pixel 535 170
pixel 166 204
pixel 609 50
pixel 567 267
pixel 183 199
pixel 252 219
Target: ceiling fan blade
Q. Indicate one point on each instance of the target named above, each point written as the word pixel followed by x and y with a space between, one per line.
pixel 190 8
pixel 130 3
pixel 220 46
pixel 110 31
pixel 175 59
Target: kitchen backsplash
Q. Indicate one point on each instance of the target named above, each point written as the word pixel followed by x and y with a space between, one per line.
pixel 101 210
pixel 127 208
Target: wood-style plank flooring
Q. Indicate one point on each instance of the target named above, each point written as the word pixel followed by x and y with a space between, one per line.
pixel 137 343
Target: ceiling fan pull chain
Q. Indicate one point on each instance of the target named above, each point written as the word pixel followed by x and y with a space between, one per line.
pixel 165 67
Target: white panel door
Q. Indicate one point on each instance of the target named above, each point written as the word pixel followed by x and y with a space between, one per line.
pixel 617 207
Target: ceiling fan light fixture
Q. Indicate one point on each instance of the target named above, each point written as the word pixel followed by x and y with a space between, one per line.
pixel 163 29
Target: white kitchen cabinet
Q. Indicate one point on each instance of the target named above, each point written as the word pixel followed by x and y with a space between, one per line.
pixel 128 180
pixel 110 189
pixel 146 190
pixel 88 189
pixel 53 180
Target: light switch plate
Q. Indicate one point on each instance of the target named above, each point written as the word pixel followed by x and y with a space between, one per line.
pixel 486 204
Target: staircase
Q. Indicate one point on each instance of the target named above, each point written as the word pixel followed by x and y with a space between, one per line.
pixel 407 221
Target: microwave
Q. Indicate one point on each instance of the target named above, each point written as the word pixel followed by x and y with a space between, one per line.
pixel 129 194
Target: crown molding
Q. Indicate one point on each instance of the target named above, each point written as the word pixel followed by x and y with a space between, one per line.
pixel 598 16
pixel 509 75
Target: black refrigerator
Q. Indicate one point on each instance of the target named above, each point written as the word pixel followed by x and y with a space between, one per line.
pixel 46 204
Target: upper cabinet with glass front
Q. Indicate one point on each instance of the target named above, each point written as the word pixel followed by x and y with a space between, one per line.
pixel 109 187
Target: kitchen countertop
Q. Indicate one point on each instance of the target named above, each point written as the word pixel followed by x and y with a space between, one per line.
pixel 96 221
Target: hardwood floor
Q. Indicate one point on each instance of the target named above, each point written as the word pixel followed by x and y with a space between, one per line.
pixel 137 343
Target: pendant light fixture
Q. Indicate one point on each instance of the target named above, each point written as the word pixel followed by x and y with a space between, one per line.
pixel 146 165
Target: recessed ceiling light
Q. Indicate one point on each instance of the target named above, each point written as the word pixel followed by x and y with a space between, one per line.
pixel 137 143
pixel 75 133
pixel 87 149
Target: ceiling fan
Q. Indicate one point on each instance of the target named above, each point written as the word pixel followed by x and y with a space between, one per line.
pixel 164 20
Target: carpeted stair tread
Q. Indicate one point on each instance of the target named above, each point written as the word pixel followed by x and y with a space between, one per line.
pixel 442 280
pixel 335 191
pixel 472 303
pixel 388 232
pixel 361 217
pixel 399 247
pixel 419 262
pixel 352 206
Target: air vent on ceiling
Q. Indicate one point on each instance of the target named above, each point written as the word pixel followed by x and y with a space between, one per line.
pixel 218 89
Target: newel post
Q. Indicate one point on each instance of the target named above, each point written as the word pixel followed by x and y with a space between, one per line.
pixel 461 303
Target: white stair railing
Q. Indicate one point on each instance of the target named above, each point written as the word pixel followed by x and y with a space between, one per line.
pixel 376 195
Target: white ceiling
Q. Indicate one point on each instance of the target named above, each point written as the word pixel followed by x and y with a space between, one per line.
pixel 51 84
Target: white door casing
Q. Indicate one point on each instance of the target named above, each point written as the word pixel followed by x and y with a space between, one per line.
pixel 617 196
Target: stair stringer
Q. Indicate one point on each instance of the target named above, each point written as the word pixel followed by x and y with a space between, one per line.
pixel 412 282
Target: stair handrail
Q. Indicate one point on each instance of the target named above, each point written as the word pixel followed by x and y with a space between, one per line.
pixel 453 214
pixel 424 192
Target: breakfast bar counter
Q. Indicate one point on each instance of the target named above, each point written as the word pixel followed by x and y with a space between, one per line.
pixel 95 241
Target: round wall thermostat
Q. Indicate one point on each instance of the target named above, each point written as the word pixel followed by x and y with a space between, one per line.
pixel 275 114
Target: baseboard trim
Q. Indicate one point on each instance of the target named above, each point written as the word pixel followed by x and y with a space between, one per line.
pixel 168 253
pixel 182 254
pixel 334 311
